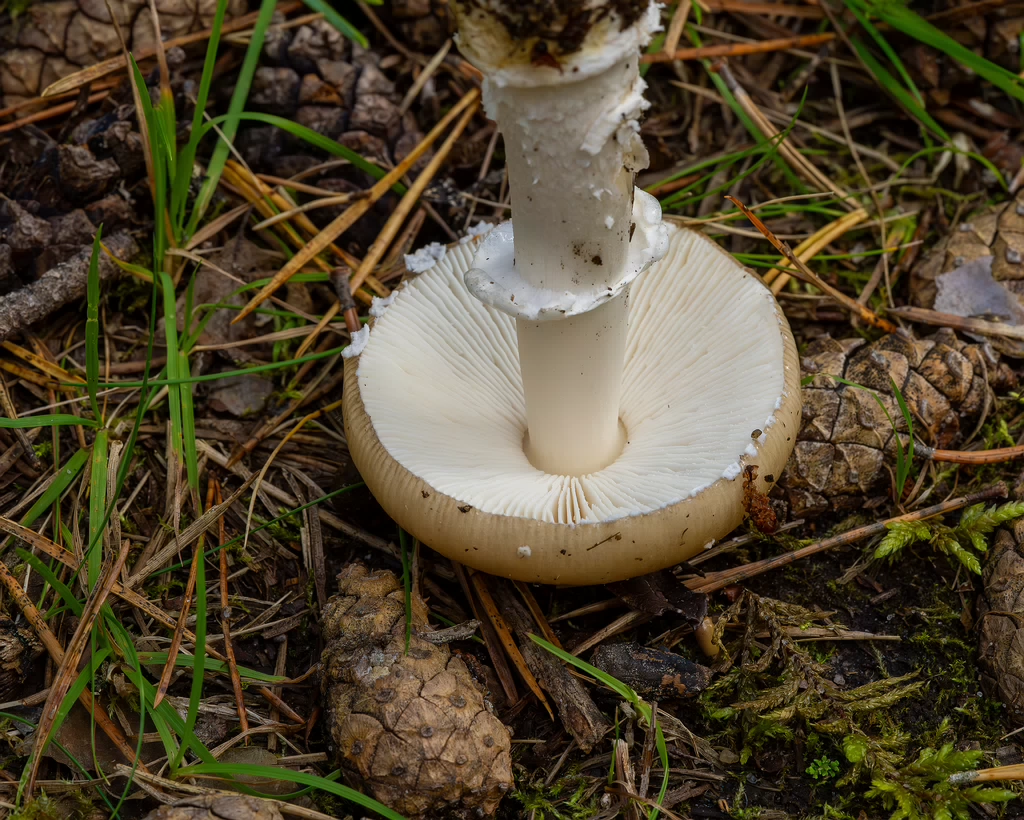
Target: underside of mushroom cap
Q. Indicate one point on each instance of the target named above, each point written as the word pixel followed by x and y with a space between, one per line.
pixel 435 420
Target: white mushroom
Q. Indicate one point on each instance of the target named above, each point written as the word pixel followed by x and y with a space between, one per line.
pixel 550 406
pixel 436 419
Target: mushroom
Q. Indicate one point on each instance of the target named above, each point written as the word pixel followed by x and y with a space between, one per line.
pixel 573 401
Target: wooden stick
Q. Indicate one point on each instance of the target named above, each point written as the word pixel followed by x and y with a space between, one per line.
pixel 479 582
pixel 806 274
pixel 739 49
pixel 714 581
pixel 964 323
pixel 1012 772
pixel 67 667
pixel 997 456
pixel 489 635
pixel 813 245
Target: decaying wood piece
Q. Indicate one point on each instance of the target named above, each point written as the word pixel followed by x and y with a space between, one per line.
pixel 846 440
pixel 60 285
pixel 652 673
pixel 217 807
pixel 414 726
pixel 577 711
pixel 19 647
pixel 1001 621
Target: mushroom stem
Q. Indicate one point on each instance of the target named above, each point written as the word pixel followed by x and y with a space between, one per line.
pixel 572 377
pixel 567 102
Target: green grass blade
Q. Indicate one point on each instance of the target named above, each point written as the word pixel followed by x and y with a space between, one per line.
pixel 627 694
pixel 158 150
pixel 92 325
pixel 211 664
pixel 133 669
pixel 188 426
pixel 276 773
pixel 887 50
pixel 897 91
pixel 238 98
pixel 249 371
pixel 63 590
pixel 68 473
pixel 83 679
pixel 183 175
pixel 199 656
pixel 52 420
pixel 173 362
pixel 97 507
pixel 912 24
pixel 314 138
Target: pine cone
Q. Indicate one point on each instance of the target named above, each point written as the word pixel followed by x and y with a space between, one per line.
pixel 54 39
pixel 415 727
pixel 315 76
pixel 19 647
pixel 1001 621
pixel 423 25
pixel 846 439
pixel 997 232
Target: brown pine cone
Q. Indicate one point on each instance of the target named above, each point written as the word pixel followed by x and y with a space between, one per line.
pixel 1001 621
pixel 54 39
pixel 18 648
pixel 415 727
pixel 423 25
pixel 313 75
pixel 997 232
pixel 846 440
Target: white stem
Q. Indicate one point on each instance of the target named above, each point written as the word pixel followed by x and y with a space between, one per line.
pixel 572 217
pixel 572 378
pixel 572 149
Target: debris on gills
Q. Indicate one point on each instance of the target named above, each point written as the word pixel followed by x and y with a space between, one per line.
pixel 414 725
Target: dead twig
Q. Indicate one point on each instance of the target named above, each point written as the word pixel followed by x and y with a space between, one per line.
pixel 967 324
pixel 739 49
pixel 60 285
pixel 714 581
pixel 806 274
pixel 67 668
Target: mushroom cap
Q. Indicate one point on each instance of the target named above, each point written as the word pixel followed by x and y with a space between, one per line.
pixel 435 420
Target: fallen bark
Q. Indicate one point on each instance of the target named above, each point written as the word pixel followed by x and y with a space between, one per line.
pixel 60 285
